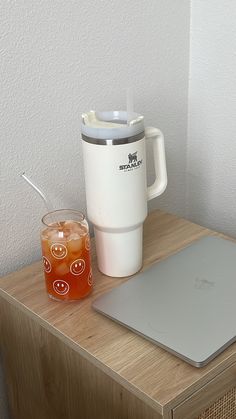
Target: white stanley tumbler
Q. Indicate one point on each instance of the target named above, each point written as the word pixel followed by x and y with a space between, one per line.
pixel 114 152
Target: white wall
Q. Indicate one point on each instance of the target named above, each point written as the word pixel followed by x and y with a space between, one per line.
pixel 211 198
pixel 60 58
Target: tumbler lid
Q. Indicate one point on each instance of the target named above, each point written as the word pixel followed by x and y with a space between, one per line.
pixel 111 125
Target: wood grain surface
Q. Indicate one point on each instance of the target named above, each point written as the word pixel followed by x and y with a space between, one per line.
pixel 156 377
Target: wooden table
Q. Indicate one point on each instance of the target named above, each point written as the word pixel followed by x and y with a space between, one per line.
pixel 63 360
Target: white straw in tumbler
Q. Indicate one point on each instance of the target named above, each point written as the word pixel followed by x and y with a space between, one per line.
pixel 129 104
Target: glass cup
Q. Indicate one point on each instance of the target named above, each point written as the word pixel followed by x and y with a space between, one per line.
pixel 66 255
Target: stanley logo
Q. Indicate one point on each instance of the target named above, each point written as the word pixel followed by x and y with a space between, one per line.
pixel 133 162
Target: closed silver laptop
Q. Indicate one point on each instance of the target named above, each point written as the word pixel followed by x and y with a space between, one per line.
pixel 185 304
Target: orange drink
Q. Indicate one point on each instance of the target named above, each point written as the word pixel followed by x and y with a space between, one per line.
pixel 66 255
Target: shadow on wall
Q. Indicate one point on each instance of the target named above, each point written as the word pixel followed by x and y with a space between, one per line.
pixel 198 198
pixel 209 200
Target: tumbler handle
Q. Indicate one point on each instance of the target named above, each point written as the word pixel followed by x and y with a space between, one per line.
pixel 160 183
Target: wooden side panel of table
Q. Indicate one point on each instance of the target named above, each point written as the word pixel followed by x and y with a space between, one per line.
pixel 49 380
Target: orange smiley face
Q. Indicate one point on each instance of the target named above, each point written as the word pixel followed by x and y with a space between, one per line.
pixel 90 279
pixel 61 287
pixel 47 265
pixel 87 243
pixel 77 267
pixel 58 250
